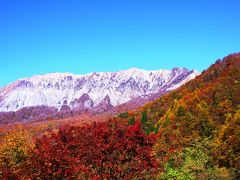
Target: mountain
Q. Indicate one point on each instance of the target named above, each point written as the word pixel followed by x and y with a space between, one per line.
pixel 192 132
pixel 98 91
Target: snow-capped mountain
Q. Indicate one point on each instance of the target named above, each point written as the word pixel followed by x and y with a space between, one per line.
pixel 91 91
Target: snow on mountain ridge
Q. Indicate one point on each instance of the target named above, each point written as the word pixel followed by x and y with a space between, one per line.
pixel 57 89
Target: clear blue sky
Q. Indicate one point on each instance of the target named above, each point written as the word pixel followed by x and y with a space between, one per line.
pixel 81 36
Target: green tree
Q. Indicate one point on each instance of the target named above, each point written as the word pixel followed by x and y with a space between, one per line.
pixel 180 111
pixel 144 117
pixel 131 121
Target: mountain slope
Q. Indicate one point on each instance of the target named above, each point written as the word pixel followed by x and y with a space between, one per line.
pixel 202 115
pixel 99 91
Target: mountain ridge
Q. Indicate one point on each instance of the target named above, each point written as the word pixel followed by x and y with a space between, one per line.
pixel 58 89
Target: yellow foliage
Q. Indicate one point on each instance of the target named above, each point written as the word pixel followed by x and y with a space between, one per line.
pixel 14 150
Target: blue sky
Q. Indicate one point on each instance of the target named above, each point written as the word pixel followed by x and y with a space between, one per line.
pixel 82 36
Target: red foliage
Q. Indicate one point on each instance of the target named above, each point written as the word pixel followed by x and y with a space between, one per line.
pixel 107 149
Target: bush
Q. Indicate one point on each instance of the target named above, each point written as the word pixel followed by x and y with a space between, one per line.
pixel 101 150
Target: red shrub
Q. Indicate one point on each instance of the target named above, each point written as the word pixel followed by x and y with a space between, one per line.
pixel 106 149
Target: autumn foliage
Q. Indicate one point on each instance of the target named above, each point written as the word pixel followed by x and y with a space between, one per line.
pixel 204 109
pixel 15 150
pixel 108 149
pixel 190 133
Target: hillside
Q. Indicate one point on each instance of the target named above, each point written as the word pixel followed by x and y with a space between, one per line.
pixel 205 109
